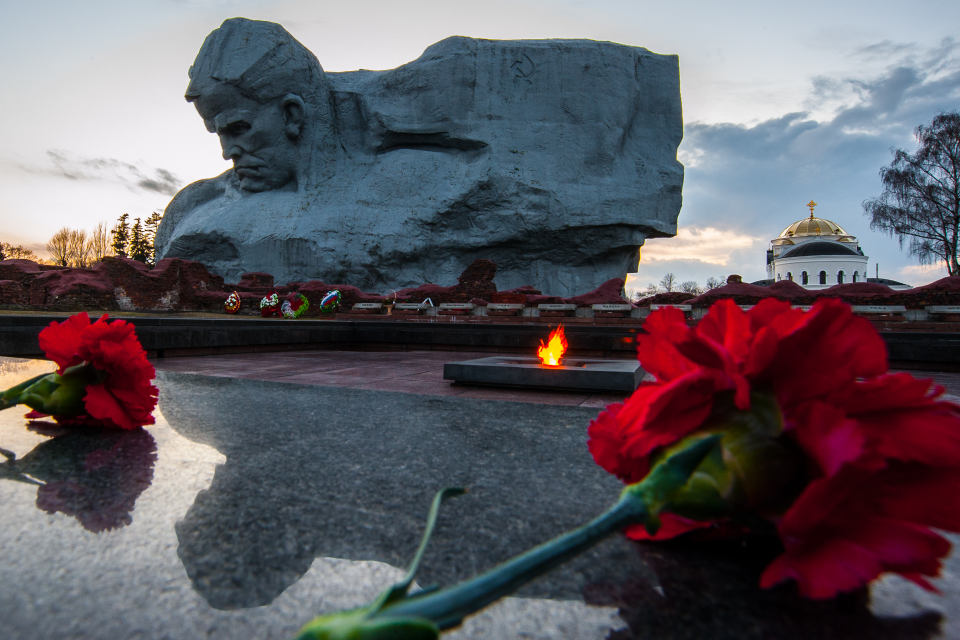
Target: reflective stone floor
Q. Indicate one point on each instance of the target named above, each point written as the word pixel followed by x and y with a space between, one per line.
pixel 277 486
pixel 419 372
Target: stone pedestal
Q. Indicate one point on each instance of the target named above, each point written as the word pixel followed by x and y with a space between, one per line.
pixel 251 507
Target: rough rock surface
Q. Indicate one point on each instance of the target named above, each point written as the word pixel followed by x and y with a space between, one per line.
pixel 553 158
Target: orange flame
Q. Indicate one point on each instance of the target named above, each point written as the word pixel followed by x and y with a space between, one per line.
pixel 551 352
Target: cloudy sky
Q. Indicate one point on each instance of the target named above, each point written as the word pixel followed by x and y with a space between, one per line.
pixel 782 103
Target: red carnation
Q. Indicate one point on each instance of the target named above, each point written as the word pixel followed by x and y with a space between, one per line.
pixel 118 390
pixel 881 452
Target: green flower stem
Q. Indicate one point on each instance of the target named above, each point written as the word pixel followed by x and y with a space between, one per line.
pixel 11 397
pixel 423 615
pixel 448 607
pixel 52 393
pixel 9 471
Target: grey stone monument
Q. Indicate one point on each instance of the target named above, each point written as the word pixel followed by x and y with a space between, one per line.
pixel 553 158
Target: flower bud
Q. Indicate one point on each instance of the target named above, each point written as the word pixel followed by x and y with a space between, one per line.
pixel 753 470
pixel 60 395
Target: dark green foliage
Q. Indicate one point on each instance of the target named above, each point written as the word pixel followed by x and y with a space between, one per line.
pixel 150 226
pixel 121 236
pixel 139 248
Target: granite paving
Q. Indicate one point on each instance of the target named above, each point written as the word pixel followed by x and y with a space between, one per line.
pixel 277 486
pixel 419 372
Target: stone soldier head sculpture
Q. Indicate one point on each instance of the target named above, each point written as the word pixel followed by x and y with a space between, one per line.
pixel 267 99
pixel 555 159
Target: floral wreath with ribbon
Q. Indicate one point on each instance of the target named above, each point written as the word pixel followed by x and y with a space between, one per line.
pixel 232 303
pixel 270 305
pixel 330 301
pixel 294 306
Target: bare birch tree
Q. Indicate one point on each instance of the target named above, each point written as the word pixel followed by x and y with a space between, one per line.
pixel 59 247
pixel 921 195
pixel 99 243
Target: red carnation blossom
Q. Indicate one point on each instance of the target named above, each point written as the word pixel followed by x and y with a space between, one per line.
pixel 882 451
pixel 123 395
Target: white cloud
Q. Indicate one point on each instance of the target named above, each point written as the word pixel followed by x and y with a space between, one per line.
pixel 699 253
pixel 756 178
pixel 921 274
pixel 66 165
pixel 707 245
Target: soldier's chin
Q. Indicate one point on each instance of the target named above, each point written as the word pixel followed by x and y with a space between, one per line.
pixel 255 184
pixel 258 183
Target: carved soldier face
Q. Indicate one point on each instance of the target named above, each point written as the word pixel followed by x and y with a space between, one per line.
pixel 260 139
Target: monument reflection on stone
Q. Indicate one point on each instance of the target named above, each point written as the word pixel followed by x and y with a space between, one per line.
pixel 553 158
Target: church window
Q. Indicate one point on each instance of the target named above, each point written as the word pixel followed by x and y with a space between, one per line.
pixel 789 276
pixel 854 276
pixel 823 277
pixel 803 277
pixel 840 277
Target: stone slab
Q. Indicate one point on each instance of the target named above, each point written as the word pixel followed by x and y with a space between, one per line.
pixel 163 335
pixel 367 306
pixel 612 307
pixel 879 308
pixel 260 512
pixel 575 374
pixel 455 308
pixel 234 538
pixel 548 310
pixel 681 307
pixel 170 335
pixel 508 309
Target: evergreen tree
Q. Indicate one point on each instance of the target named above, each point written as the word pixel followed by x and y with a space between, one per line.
pixel 150 226
pixel 121 236
pixel 139 249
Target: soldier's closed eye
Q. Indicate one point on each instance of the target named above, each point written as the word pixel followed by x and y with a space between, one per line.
pixel 236 128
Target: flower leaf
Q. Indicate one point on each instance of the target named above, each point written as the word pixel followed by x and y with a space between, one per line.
pixel 399 590
pixel 11 397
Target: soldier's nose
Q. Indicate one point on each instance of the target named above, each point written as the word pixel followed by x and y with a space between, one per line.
pixel 232 152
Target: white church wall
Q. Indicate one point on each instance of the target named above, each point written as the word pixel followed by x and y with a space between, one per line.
pixel 793 268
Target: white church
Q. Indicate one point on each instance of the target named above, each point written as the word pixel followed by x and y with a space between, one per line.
pixel 816 253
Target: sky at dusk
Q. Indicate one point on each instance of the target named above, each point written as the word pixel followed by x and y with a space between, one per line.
pixel 782 103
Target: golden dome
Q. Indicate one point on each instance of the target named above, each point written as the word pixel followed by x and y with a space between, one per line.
pixel 814 226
